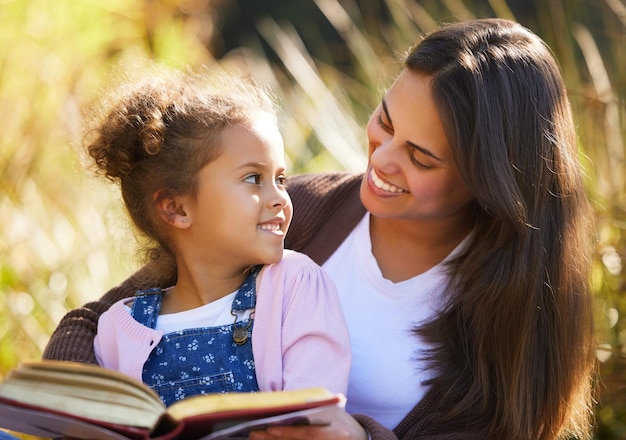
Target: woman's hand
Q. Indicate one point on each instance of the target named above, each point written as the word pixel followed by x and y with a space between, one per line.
pixel 341 427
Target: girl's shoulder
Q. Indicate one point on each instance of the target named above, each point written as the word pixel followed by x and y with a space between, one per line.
pixel 292 263
pixel 295 271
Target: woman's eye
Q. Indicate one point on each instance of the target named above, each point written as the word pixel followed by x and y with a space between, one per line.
pixel 382 123
pixel 416 162
pixel 254 179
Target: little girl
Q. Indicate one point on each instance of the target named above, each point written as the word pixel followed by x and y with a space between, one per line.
pixel 202 173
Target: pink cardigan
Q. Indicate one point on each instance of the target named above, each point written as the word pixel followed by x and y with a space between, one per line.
pixel 299 339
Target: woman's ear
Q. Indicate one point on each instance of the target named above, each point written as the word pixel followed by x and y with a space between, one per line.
pixel 171 209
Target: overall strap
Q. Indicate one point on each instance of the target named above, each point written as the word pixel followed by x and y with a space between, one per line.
pixel 146 306
pixel 245 299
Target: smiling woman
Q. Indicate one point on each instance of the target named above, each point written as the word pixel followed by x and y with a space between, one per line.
pixel 412 176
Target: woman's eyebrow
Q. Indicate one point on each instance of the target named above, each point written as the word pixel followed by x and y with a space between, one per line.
pixel 424 150
pixel 417 147
pixel 384 104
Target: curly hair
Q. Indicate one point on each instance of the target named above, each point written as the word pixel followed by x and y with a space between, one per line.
pixel 154 135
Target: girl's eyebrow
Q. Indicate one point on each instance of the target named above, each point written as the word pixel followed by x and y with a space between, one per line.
pixel 252 165
pixel 417 147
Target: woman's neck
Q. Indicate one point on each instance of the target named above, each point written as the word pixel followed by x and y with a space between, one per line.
pixel 406 248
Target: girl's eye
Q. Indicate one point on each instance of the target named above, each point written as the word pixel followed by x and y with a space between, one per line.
pixel 281 181
pixel 254 179
pixel 416 162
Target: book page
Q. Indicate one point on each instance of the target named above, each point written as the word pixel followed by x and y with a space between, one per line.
pixel 232 402
pixel 80 379
pixel 71 372
pixel 84 391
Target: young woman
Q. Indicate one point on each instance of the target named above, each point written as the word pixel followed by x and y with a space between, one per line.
pixel 202 173
pixel 461 254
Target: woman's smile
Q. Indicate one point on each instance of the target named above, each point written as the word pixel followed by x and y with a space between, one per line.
pixel 385 186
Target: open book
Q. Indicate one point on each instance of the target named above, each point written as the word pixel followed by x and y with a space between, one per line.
pixel 55 399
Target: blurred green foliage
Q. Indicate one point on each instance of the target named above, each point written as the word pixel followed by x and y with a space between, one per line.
pixel 64 238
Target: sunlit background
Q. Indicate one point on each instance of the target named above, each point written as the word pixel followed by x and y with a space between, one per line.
pixel 64 238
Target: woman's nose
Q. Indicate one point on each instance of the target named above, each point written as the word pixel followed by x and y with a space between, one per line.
pixel 386 156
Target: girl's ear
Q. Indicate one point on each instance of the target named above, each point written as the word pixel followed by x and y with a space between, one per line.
pixel 171 209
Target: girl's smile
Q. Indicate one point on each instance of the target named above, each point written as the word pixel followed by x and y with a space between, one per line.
pixel 273 226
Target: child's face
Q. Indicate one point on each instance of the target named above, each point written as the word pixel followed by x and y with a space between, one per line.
pixel 242 211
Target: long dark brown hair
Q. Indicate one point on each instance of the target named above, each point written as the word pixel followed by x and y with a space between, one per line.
pixel 514 345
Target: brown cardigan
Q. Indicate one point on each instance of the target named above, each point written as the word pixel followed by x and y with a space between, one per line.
pixel 326 208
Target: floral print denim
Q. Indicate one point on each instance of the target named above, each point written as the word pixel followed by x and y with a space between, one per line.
pixel 200 360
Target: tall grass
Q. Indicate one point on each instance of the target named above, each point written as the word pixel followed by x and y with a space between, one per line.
pixel 64 239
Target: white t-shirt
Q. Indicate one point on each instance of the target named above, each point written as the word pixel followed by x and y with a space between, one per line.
pixel 386 376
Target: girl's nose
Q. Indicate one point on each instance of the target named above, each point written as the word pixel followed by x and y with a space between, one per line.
pixel 278 196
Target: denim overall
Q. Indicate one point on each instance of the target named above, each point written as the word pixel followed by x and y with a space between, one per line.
pixel 200 360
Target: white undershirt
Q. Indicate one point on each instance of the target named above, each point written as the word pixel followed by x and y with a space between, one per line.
pixel 385 378
pixel 213 314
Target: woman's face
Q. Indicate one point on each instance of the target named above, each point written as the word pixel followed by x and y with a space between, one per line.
pixel 411 173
